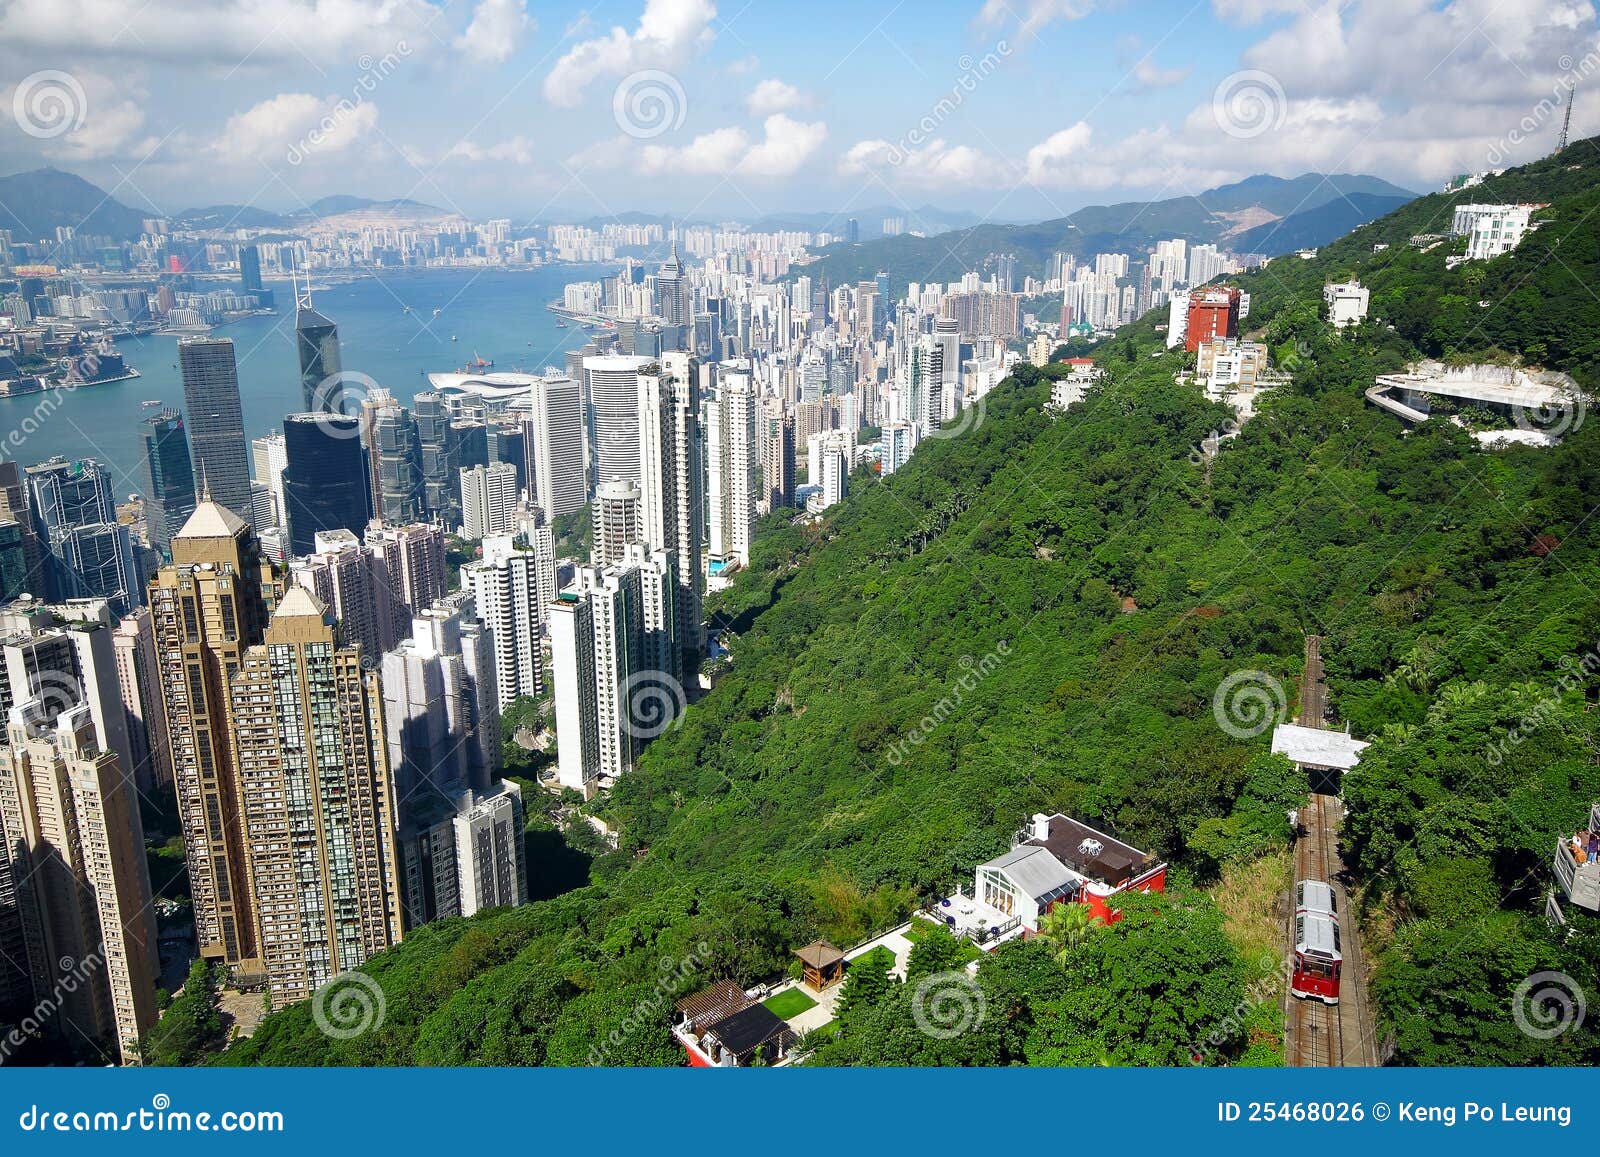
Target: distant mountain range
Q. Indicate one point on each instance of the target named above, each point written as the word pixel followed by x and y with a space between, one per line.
pixel 1261 214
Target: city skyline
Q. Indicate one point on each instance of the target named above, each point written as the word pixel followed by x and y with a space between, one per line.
pixel 752 111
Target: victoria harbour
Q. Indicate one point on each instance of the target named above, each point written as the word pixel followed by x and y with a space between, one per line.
pixel 389 331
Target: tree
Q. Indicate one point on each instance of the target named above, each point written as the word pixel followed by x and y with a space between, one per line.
pixel 1065 926
pixel 866 983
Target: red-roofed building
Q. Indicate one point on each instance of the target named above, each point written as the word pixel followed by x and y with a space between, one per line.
pixel 1213 313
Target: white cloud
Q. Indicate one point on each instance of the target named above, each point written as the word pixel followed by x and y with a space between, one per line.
pixel 934 164
pixel 772 96
pixel 1035 15
pixel 1252 11
pixel 668 31
pixel 294 126
pixel 786 145
pixel 744 66
pixel 496 30
pixel 1050 161
pixel 517 150
pixel 219 32
pixel 1150 75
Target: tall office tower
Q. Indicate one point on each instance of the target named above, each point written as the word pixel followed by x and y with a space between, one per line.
pixel 394 461
pixel 318 801
pixel 777 455
pixel 408 572
pixel 13 561
pixel 672 292
pixel 488 500
pixel 437 455
pixel 614 409
pixel 813 376
pixel 268 459
pixel 207 606
pixel 172 495
pixel 557 450
pixel 733 469
pixel 707 341
pixel 250 268
pixel 139 681
pixel 90 553
pixel 596 637
pixel 74 843
pixel 508 448
pixel 324 483
pixel 672 491
pixel 340 573
pixel 616 520
pixel 508 586
pixel 215 420
pixel 469 439
pixel 491 864
pixel 14 508
pixel 852 231
pixel 316 340
pixel 867 306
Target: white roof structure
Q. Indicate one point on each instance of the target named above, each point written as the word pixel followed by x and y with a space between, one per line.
pixel 1034 870
pixel 1315 747
pixel 211 520
pixel 495 387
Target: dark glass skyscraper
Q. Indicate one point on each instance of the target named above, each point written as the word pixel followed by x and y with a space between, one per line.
pixel 250 268
pixel 172 494
pixel 215 420
pixel 324 480
pixel 317 339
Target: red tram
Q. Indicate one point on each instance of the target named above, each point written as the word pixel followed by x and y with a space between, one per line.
pixel 1317 958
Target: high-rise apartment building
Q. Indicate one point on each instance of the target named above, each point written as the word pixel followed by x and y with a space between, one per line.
pixel 614 409
pixel 408 571
pixel 318 801
pixel 340 573
pixel 777 455
pixel 208 606
pixel 510 585
pixel 139 680
pixel 215 420
pixel 733 469
pixel 616 521
pixel 73 846
pixel 556 452
pixel 488 500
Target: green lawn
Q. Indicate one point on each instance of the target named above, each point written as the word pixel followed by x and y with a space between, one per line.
pixel 789 1003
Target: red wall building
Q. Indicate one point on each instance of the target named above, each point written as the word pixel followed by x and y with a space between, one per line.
pixel 1213 313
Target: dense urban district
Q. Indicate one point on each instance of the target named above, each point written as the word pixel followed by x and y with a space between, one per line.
pixel 1163 655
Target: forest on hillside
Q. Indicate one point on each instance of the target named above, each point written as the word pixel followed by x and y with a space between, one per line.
pixel 1120 575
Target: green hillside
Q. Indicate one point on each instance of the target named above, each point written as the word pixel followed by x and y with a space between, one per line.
pixel 1075 588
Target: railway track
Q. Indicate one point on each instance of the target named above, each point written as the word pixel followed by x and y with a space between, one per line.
pixel 1316 1034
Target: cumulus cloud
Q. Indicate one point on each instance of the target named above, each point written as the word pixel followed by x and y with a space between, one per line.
pixel 934 164
pixel 218 32
pixel 294 126
pixel 786 145
pixel 668 32
pixel 772 96
pixel 517 150
pixel 1050 162
pixel 1149 75
pixel 496 30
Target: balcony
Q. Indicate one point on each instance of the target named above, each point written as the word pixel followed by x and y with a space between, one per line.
pixel 1580 882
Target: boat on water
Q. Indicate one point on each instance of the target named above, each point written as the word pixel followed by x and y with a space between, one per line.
pixel 437 312
pixel 477 364
pixel 561 325
pixel 452 337
pixel 150 403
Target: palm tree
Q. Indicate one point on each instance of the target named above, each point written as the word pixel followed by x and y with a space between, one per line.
pixel 1066 926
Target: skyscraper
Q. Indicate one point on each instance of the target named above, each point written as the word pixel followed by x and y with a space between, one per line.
pixel 408 566
pixel 733 469
pixel 74 512
pixel 777 456
pixel 672 492
pixel 511 586
pixel 316 340
pixel 340 573
pixel 394 460
pixel 318 801
pixel 488 500
pixel 139 678
pixel 597 639
pixel 172 494
pixel 672 292
pixel 73 843
pixel 209 605
pixel 324 479
pixel 215 420
pixel 614 406
pixel 250 268
pixel 616 520
pixel 14 508
pixel 557 447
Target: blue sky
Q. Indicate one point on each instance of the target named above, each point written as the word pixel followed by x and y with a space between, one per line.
pixel 1012 109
